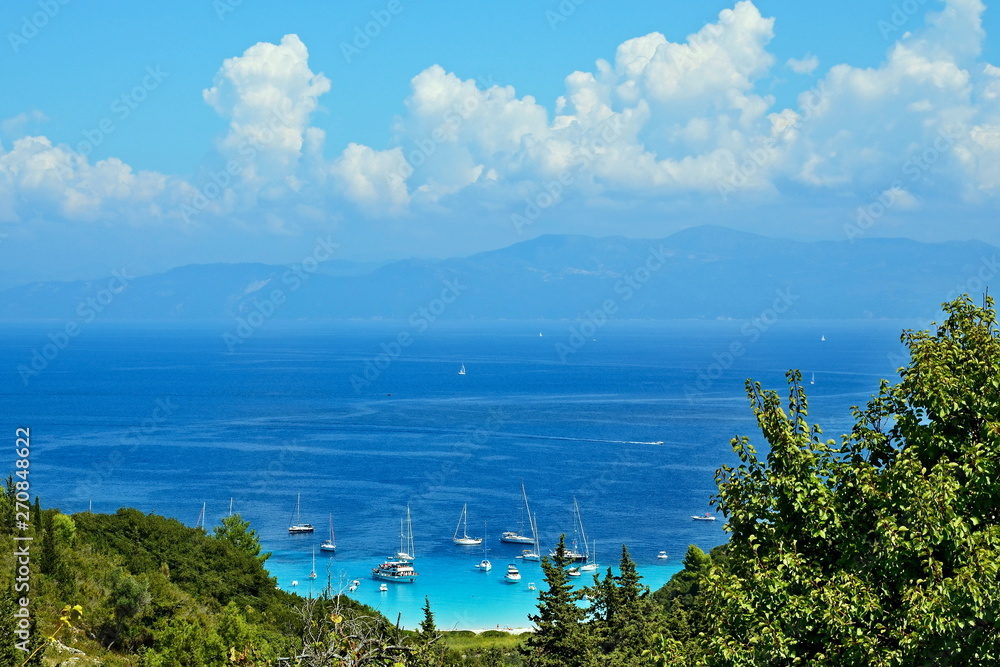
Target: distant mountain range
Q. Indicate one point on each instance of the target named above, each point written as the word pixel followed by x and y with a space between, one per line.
pixel 702 272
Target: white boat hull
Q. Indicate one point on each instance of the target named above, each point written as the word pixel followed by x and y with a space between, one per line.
pixel 514 538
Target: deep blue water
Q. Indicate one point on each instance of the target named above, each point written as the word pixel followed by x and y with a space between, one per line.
pixel 165 419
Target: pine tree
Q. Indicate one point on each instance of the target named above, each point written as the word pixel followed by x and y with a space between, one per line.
pixel 561 639
pixel 47 546
pixel 9 653
pixel 237 531
pixel 427 624
pixel 427 652
pixel 7 506
pixel 625 618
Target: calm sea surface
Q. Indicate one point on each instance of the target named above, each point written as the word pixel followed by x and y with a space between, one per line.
pixel 633 423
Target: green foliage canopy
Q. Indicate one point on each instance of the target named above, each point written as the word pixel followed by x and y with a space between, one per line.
pixel 884 548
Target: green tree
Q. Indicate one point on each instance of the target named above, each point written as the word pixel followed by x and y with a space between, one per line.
pixel 7 506
pixel 9 653
pixel 883 549
pixel 46 542
pixel 129 598
pixel 238 532
pixel 625 617
pixel 426 650
pixel 561 639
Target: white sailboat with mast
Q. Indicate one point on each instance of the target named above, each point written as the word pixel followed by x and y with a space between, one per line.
pixel 590 565
pixel 329 544
pixel 572 552
pixel 200 523
pixel 296 526
pixel 518 536
pixel 406 553
pixel 536 552
pixel 465 540
pixel 399 569
pixel 485 565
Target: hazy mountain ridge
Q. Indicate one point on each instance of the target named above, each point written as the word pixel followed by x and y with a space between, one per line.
pixel 701 272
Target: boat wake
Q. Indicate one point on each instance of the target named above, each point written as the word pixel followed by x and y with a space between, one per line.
pixel 368 429
pixel 610 442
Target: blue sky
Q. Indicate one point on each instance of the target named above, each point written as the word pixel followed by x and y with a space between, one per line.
pixel 153 135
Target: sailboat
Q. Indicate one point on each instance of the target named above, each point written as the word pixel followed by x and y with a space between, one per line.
pixel 200 523
pixel 591 565
pixel 571 552
pixel 534 553
pixel 461 371
pixel 518 536
pixel 329 544
pixel 813 380
pixel 406 553
pixel 399 569
pixel 465 540
pixel 485 565
pixel 312 572
pixel 297 526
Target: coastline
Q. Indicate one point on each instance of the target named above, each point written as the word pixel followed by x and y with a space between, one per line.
pixel 479 631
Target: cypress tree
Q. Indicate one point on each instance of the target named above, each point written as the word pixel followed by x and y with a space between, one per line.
pixel 624 616
pixel 562 639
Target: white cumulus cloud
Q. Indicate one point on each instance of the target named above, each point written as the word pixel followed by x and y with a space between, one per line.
pixel 805 65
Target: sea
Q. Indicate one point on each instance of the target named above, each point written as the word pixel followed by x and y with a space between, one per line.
pixel 357 423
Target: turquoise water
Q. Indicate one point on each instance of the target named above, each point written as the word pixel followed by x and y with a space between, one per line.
pixel 461 596
pixel 633 425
